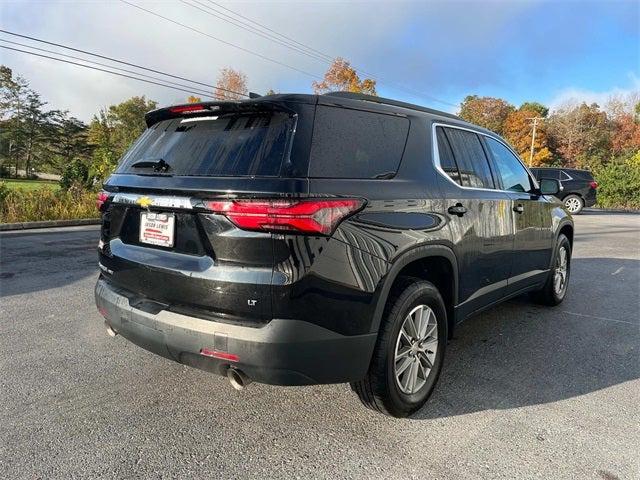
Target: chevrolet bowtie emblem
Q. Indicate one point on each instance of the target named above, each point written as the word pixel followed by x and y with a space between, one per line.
pixel 144 202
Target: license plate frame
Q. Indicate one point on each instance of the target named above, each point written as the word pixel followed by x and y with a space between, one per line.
pixel 157 228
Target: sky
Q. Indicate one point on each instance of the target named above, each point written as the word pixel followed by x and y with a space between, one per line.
pixel 432 53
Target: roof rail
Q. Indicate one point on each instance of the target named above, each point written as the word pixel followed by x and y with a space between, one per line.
pixel 387 101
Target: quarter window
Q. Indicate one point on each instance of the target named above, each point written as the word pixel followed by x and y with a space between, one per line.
pixel 445 155
pixel 470 158
pixel 513 175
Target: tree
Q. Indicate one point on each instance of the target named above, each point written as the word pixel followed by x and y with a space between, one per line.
pixel 24 121
pixel 231 85
pixel 193 99
pixel 580 134
pixel 518 131
pixel 113 130
pixel 67 139
pixel 342 77
pixel 535 107
pixel 488 112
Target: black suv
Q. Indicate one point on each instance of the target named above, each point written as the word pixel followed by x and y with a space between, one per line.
pixel 578 188
pixel 305 239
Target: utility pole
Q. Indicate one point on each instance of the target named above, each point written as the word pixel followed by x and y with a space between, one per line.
pixel 533 137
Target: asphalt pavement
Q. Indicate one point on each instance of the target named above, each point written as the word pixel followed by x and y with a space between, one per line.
pixel 526 391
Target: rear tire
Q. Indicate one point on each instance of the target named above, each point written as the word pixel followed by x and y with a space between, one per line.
pixel 573 203
pixel 409 352
pixel 555 288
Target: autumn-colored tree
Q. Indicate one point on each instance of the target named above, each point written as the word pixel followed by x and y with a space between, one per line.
pixel 231 85
pixel 518 132
pixel 342 77
pixel 488 112
pixel 580 134
pixel 626 134
pixel 193 99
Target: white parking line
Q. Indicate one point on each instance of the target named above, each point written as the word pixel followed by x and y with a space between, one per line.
pixel 599 318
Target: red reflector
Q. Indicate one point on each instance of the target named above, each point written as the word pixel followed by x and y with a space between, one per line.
pixel 221 355
pixel 102 197
pixel 196 107
pixel 103 312
pixel 307 216
pixel 594 185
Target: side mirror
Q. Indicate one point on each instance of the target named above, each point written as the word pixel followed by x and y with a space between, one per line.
pixel 549 186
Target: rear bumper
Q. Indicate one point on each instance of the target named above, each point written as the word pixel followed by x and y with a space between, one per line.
pixel 281 352
pixel 590 199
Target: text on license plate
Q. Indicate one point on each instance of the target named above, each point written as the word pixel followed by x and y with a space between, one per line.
pixel 157 228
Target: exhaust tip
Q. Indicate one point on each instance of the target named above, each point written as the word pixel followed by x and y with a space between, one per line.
pixel 237 379
pixel 110 331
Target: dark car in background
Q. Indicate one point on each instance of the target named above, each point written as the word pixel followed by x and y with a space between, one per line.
pixel 578 186
pixel 307 239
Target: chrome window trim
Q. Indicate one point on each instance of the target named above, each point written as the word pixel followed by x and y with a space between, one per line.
pixel 436 157
pixel 568 179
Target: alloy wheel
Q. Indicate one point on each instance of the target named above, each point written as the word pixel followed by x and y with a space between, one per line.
pixel 560 271
pixel 573 204
pixel 416 348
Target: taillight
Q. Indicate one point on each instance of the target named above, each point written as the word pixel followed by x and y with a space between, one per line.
pixel 593 185
pixel 101 199
pixel 304 216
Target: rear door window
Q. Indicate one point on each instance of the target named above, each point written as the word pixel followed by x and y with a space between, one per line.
pixel 512 174
pixel 356 144
pixel 230 145
pixel 470 157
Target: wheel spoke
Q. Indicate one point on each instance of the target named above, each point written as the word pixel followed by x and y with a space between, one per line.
pixel 425 318
pixel 429 342
pixel 403 366
pixel 402 354
pixel 424 358
pixel 430 331
pixel 411 326
pixel 413 374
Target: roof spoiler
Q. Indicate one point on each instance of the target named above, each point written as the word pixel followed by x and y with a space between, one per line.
pixel 202 109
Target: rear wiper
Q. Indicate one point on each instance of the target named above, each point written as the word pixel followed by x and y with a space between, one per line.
pixel 158 165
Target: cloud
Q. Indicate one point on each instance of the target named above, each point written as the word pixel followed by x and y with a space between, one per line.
pixel 573 95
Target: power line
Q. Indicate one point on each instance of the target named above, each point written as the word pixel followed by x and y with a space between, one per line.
pixel 122 62
pixel 199 91
pixel 318 55
pixel 100 69
pixel 326 56
pixel 251 52
pixel 245 26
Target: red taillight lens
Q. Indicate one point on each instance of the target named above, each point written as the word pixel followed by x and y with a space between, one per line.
pixel 594 185
pixel 101 199
pixel 305 216
pixel 232 357
pixel 195 107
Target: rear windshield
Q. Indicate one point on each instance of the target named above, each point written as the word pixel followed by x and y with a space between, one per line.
pixel 229 145
pixel 356 144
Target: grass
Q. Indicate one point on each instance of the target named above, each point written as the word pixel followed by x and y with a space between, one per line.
pixel 44 203
pixel 29 185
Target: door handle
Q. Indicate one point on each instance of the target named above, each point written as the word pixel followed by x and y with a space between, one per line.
pixel 457 209
pixel 518 208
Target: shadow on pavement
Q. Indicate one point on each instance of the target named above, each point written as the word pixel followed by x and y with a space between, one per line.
pixel 33 262
pixel 520 354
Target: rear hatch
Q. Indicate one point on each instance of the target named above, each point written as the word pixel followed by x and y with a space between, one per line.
pixel 166 236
